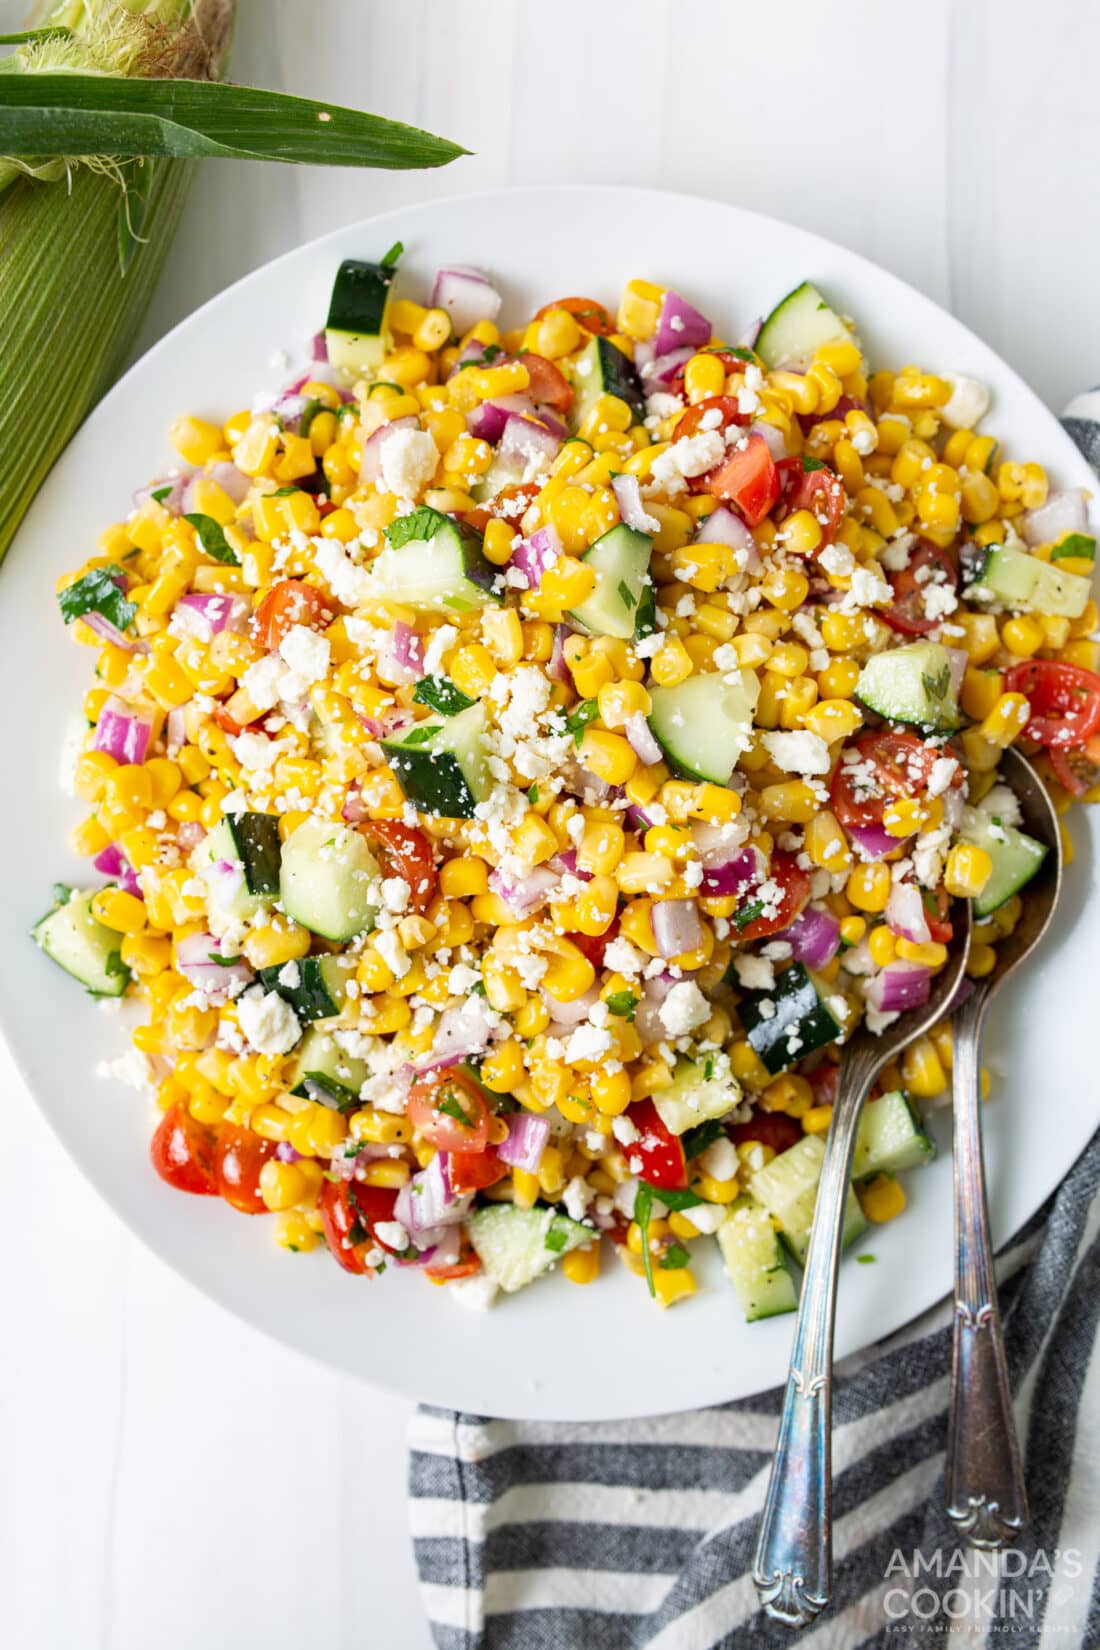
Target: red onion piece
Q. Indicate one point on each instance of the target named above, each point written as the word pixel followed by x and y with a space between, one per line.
pixel 899 986
pixel 751 333
pixel 641 740
pixel 527 441
pixel 176 729
pixel 958 659
pixel 460 1033
pixel 122 732
pixel 486 421
pixel 205 616
pixel 445 1251
pixel 525 894
pixel 873 841
pixel 565 864
pixel 173 499
pixel 662 369
pixel 773 439
pixel 628 494
pixel 680 325
pixel 371 467
pixel 107 632
pixel 286 1153
pixel 814 936
pixel 535 556
pixel 723 527
pixel 676 926
pixel 905 914
pixel 557 669
pixel 390 722
pixel 527 1139
pixel 564 1016
pixel 193 959
pixel 647 1018
pixel 473 351
pixel 636 818
pixel 318 347
pixel 731 875
pixel 467 296
pixel 1062 513
pixel 112 862
pixel 426 1201
pixel 407 651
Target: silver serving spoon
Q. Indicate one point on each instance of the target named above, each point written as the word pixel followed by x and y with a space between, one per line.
pixel 792 1568
pixel 984 1483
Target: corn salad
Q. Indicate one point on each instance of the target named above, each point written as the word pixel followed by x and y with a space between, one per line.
pixel 517 759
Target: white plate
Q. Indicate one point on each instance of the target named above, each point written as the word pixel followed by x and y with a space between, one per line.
pixel 554 1351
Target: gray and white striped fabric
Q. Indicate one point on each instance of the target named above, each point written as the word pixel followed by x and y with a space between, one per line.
pixel 639 1535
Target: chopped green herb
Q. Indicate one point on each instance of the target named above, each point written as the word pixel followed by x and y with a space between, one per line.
pixel 161 493
pixel 212 539
pixel 454 1108
pixel 489 355
pixel 557 1235
pixel 579 718
pixel 115 966
pixel 622 1003
pixel 643 1210
pixel 937 686
pixel 626 595
pixel 419 735
pixel 421 523
pixel 674 1258
pixel 748 913
pixel 62 893
pixel 284 492
pixel 697 1140
pixel 533 795
pixel 867 1260
pixel 478 988
pixel 97 592
pixel 440 693
pixel 390 261
pixel 357 1233
pixel 1074 545
pixel 222 962
pixel 676 1199
pixel 809 465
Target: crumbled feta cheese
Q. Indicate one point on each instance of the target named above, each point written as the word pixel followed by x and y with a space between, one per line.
pixel 392 953
pixel 131 1068
pixel 442 640
pixel 395 894
pixel 263 681
pixel 837 559
pixel 392 1234
pixel 1002 803
pixel 290 976
pixel 683 1009
pixel 350 584
pixel 408 462
pixel 941 773
pixel 720 1159
pixel 268 1021
pixel 306 653
pixel 625 1132
pixel 577 1196
pixel 799 752
pixel 754 973
pixel 588 1042
pixel 706 1217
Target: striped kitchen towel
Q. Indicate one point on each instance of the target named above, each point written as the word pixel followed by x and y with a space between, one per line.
pixel 639 1535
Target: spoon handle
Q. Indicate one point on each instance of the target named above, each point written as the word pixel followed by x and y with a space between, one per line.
pixel 792 1569
pixel 984 1482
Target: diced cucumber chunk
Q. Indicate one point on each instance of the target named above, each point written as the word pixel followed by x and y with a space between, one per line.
pixel 787 1187
pixel 329 880
pixel 1020 580
pixel 694 1095
pixel 504 471
pixel 621 561
pixel 1016 858
pixel 756 1262
pixel 797 327
pixel 704 724
pixel 255 838
pixel 230 893
pixel 789 1021
pixel 355 332
pixel 515 1246
pixel 74 939
pixel 891 1138
pixel 442 764
pixel 912 684
pixel 435 563
pixel 602 369
pixel 321 1070
pixel 320 989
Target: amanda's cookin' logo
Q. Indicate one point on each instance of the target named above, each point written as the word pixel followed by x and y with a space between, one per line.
pixel 967 1585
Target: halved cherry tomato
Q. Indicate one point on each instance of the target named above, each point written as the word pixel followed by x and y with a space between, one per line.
pixel 585 311
pixel 819 491
pixel 508 505
pixel 405 851
pixel 733 359
pixel 661 1152
pixel 769 1128
pixel 374 1204
pixel 1064 700
pixel 449 1110
pixel 548 385
pixel 340 1221
pixel 748 479
pixel 824 1080
pixel 794 884
pixel 1078 771
pixel 227 723
pixel 239 1155
pixel 471 1171
pixel 900 765
pixel 689 422
pixel 468 1267
pixel 290 602
pixel 594 945
pixel 182 1153
pixel 928 566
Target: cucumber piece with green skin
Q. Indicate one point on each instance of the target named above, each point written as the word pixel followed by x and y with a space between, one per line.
pixel 787 1188
pixel 620 558
pixel 788 1021
pixel 321 991
pixel 515 1246
pixel 329 880
pixel 693 1097
pixel 891 1138
pixel 704 724
pixel 1016 858
pixel 911 684
pixel 77 942
pixel 442 764
pixel 755 1260
pixel 230 894
pixel 797 327
pixel 255 838
pixel 355 332
pixel 602 369
pixel 322 1070
pixel 435 563
pixel 1022 581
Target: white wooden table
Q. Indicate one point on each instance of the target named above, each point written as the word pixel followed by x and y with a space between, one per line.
pixel 169 1477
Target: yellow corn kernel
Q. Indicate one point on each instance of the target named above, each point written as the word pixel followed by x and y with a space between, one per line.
pixel 717 1191
pixel 801 534
pixel 388 1172
pixel 904 815
pixel 968 870
pixel 833 719
pixel 557 334
pixel 1085 655
pixel 463 877
pixel 785 587
pixel 372 972
pixel 117 910
pixel 433 330
pixel 582 1265
pixel 607 755
pixel 568 583
pixel 639 309
pixel 89 837
pixel 503 634
pixel 146 954
pixel 868 887
pixel 640 873
pixel 1006 720
pixel 792 801
pixel 883 946
pixel 601 847
pixel 843 631
pixel 568 975
pixel 282 1185
pixel 671 664
pixel 922 1070
pixel 195 440
pixel 294 1232
pixel 930 954
pixel 498 541
pixel 852 929
pixel 704 375
pixel 816 1119
pixel 881 1199
pixel 472 670
pixel 981 961
pixel 747 1065
pixel 618 701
